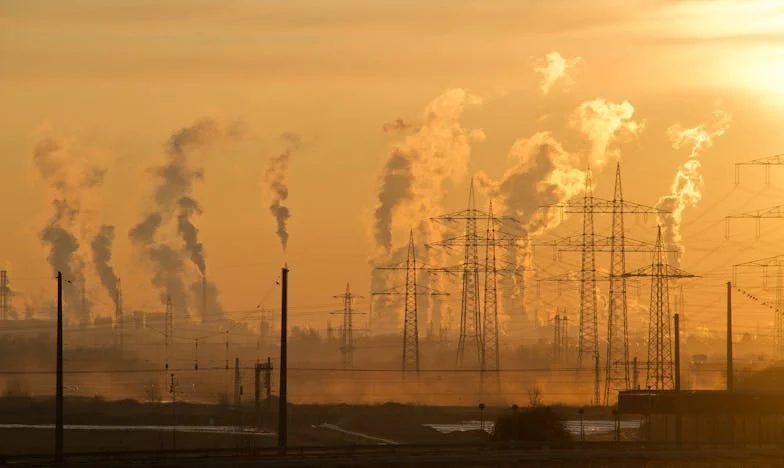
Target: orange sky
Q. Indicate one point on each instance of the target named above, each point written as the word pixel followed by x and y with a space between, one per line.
pixel 116 79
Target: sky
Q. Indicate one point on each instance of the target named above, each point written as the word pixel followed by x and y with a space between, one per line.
pixel 111 82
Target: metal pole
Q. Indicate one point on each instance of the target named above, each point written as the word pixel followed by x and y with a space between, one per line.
pixel 282 416
pixel 676 319
pixel 678 417
pixel 58 430
pixel 730 375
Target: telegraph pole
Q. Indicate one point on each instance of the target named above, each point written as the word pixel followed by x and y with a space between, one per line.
pixel 730 379
pixel 282 416
pixel 58 429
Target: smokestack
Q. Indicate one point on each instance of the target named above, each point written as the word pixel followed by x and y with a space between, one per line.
pixel 118 315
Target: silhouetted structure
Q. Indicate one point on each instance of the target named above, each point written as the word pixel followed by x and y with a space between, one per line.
pixel 660 362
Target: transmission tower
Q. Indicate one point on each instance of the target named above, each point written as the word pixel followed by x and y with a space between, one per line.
pixel 471 334
pixel 774 212
pixel 588 341
pixel 5 293
pixel 660 373
pixel 410 317
pixel 490 355
pixel 168 330
pixel 617 245
pixel 347 329
pixel 766 162
pixel 617 377
pixel 765 264
pixel 410 355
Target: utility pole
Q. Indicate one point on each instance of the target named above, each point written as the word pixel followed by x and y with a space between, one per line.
pixel 676 322
pixel 730 373
pixel 168 329
pixel 237 383
pixel 283 405
pixel 173 391
pixel 58 429
pixel 5 293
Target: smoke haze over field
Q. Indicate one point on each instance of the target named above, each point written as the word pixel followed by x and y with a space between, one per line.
pixel 360 122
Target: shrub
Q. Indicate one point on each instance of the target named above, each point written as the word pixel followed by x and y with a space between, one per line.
pixel 537 424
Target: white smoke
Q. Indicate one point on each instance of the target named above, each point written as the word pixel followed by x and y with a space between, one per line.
pixel 430 154
pixel 686 187
pixel 553 67
pixel 604 123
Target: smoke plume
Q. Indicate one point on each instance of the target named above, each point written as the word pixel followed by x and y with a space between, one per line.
pixel 541 173
pixel 413 178
pixel 102 258
pixel 174 202
pixel 429 154
pixel 686 187
pixel 603 123
pixel 70 178
pixel 553 67
pixel 276 180
pixel 190 235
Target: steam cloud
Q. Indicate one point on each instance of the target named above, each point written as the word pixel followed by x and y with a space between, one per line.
pixel 69 178
pixel 431 153
pixel 276 179
pixel 553 67
pixel 686 187
pixel 541 173
pixel 602 123
pixel 102 257
pixel 417 168
pixel 173 200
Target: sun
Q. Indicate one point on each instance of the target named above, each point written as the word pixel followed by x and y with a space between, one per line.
pixel 760 69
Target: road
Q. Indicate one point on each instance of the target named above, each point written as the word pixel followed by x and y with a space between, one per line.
pixel 465 457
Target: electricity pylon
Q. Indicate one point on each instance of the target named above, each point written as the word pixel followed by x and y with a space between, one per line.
pixel 774 212
pixel 473 322
pixel 490 355
pixel 617 245
pixel 767 162
pixel 470 337
pixel 765 264
pixel 617 311
pixel 660 372
pixel 410 356
pixel 347 329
